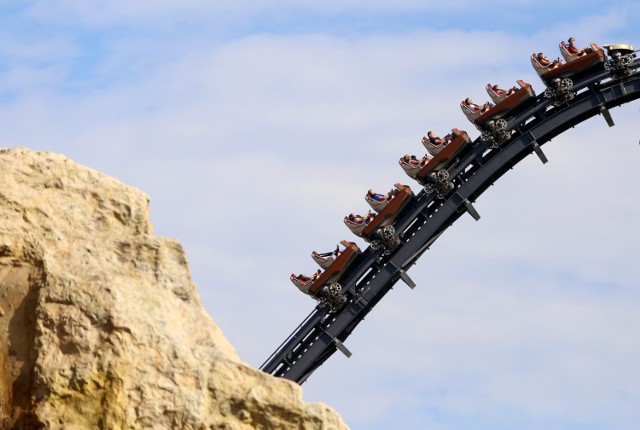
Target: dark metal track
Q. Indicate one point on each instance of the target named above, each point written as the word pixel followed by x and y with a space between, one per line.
pixel 373 273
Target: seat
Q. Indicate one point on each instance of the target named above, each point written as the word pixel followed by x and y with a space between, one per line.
pixel 495 97
pixel 357 227
pixel 302 285
pixel 472 114
pixel 326 259
pixel 413 169
pixel 378 205
pixel 565 52
pixel 433 148
pixel 539 68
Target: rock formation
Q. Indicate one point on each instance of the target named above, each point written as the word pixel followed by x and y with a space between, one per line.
pixel 101 325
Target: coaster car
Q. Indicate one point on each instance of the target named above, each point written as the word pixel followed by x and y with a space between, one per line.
pixel 506 105
pixel 559 79
pixel 388 215
pixel 384 218
pixel 334 270
pixel 569 69
pixel 493 122
pixel 430 169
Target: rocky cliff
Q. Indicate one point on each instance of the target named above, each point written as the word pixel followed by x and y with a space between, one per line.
pixel 101 326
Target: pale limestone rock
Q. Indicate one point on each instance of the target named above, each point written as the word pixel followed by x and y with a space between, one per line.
pixel 101 326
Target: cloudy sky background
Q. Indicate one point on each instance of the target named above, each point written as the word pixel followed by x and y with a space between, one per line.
pixel 256 126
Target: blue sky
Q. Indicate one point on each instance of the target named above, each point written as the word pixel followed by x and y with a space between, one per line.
pixel 255 128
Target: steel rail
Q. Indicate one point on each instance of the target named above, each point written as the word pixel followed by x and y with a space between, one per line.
pixel 373 274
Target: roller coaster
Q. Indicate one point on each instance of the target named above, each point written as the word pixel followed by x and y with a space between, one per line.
pixel 452 178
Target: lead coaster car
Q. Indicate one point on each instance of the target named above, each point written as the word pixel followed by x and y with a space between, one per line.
pixel 560 80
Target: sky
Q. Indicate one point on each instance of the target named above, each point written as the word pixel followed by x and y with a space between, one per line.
pixel 254 127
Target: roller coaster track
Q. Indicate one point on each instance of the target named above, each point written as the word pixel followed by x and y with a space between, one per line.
pixel 426 217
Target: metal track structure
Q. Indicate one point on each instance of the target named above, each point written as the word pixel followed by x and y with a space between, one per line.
pixel 427 216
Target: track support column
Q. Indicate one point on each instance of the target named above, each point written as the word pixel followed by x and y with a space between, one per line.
pixel 343 349
pixel 472 211
pixel 607 115
pixel 407 280
pixel 539 153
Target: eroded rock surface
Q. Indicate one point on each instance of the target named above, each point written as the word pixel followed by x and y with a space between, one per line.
pixel 101 326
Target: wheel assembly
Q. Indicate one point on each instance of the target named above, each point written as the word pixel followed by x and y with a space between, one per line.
pixel 504 136
pixel 442 175
pixel 565 85
pixel 335 288
pixel 549 93
pixel 500 125
pixel 429 188
pixel 486 135
pixel 388 231
pixel 323 302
